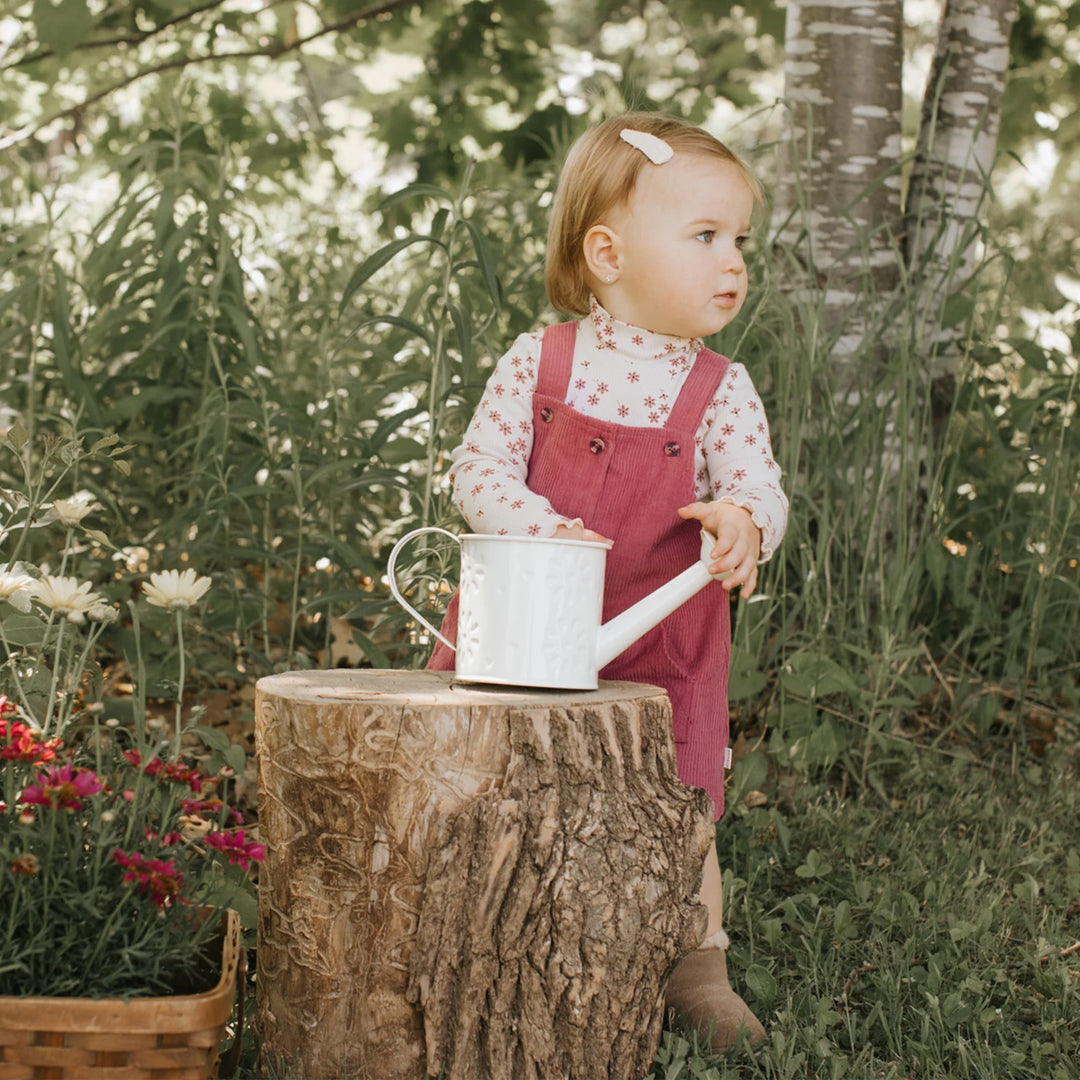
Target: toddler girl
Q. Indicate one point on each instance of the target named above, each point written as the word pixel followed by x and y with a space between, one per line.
pixel 622 427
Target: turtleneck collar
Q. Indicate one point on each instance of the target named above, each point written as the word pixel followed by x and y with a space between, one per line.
pixel 637 344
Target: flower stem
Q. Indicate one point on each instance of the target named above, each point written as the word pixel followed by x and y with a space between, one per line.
pixel 140 679
pixel 183 675
pixel 57 661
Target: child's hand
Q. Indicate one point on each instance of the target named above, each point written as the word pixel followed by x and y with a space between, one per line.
pixel 579 532
pixel 738 541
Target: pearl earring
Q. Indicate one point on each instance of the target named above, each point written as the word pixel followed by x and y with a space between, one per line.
pixel 610 278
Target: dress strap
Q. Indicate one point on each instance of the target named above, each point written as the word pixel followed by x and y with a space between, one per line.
pixel 699 389
pixel 556 360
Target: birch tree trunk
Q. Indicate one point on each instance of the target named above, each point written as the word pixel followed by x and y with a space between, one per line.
pixel 958 129
pixel 838 208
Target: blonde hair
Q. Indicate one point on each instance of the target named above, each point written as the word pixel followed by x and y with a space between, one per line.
pixel 600 173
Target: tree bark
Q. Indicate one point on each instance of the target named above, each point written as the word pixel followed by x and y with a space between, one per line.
pixel 958 129
pixel 523 864
pixel 838 210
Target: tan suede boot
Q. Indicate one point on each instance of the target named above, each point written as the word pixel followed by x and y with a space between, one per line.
pixel 701 997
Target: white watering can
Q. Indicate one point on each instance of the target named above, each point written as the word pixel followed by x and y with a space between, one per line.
pixel 530 609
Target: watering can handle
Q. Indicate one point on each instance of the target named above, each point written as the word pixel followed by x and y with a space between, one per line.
pixel 393 579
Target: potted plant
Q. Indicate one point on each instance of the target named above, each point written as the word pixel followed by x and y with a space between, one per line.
pixel 123 865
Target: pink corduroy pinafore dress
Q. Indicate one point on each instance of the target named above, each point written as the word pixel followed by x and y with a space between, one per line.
pixel 627 483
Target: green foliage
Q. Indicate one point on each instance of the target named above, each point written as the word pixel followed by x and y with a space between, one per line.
pixel 104 895
pixel 930 560
pixel 926 936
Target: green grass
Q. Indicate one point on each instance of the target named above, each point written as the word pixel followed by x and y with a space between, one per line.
pixel 917 938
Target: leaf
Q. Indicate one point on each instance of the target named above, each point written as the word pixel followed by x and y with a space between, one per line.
pixel 487 265
pixel 377 261
pixel 214 738
pixel 749 774
pixel 816 865
pixel 745 683
pixel 24 630
pixel 100 538
pixel 414 191
pixel 63 25
pixel 1034 356
pixel 108 440
pixel 398 451
pixel 237 759
pixel 957 309
pixel 404 324
pixel 760 982
pixel 16 435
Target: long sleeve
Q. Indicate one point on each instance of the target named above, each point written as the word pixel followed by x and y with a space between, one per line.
pixel 739 462
pixel 491 465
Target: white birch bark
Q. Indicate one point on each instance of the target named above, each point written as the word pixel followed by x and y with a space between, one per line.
pixel 961 115
pixel 838 209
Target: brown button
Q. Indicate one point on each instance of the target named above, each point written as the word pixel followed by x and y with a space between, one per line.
pixel 545 415
pixel 672 449
pixel 597 445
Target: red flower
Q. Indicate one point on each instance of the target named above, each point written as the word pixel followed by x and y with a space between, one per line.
pixel 159 879
pixel 179 773
pixel 168 840
pixel 153 766
pixel 236 848
pixel 23 746
pixel 176 771
pixel 208 807
pixel 62 787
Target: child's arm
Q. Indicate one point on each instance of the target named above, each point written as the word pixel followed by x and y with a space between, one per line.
pixel 748 510
pixel 491 465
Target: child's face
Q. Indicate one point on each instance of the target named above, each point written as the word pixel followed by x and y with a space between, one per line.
pixel 678 245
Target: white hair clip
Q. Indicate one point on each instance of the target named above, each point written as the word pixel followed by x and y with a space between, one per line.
pixel 654 148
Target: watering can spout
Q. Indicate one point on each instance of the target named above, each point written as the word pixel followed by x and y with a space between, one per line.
pixel 619 633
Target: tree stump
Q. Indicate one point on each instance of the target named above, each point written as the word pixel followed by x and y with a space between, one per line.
pixel 478 883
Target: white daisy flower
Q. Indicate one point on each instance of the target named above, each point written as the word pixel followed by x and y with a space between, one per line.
pixel 72 511
pixel 175 590
pixel 66 596
pixel 15 588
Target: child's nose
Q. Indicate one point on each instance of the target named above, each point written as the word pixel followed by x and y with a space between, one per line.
pixel 732 260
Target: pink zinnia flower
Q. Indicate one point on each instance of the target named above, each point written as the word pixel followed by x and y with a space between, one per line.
pixel 238 850
pixel 159 879
pixel 62 787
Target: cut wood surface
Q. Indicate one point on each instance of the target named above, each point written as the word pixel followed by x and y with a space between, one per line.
pixel 466 881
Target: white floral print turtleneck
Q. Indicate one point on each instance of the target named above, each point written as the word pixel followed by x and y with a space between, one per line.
pixel 630 376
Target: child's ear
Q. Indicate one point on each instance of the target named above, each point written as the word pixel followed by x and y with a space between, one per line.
pixel 601 248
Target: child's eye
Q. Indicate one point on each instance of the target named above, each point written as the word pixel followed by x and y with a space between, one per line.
pixel 706 236
pixel 740 241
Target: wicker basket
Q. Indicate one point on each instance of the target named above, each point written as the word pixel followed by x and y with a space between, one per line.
pixel 154 1038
